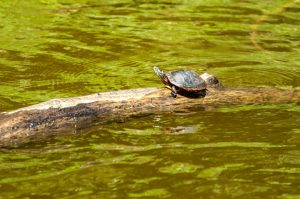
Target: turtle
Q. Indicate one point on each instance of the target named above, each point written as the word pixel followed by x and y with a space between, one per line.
pixel 212 81
pixel 185 82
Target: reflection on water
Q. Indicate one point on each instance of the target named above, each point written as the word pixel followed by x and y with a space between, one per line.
pixel 51 49
pixel 231 153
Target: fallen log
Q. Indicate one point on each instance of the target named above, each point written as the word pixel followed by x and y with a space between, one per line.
pixel 68 114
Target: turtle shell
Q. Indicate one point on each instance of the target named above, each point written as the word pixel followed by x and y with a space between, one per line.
pixel 186 80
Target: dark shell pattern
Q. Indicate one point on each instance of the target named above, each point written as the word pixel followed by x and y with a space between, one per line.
pixel 186 79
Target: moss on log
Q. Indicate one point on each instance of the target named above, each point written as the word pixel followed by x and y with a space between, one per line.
pixel 66 115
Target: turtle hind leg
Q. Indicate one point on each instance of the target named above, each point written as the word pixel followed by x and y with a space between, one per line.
pixel 174 92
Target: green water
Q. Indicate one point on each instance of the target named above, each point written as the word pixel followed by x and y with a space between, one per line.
pixel 64 48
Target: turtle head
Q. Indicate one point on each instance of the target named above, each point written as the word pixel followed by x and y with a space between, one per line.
pixel 158 72
pixel 211 81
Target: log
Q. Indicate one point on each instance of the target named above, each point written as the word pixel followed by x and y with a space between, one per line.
pixel 65 115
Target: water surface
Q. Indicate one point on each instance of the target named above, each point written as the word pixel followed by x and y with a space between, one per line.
pixel 64 48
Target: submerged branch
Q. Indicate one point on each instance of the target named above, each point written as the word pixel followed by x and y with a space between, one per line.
pixel 263 18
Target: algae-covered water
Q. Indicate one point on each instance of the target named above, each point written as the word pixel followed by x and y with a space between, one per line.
pixel 64 48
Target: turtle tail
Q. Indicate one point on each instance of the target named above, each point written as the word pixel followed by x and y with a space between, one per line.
pixel 158 72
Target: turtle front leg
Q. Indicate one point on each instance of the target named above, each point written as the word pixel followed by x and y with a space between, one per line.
pixel 174 92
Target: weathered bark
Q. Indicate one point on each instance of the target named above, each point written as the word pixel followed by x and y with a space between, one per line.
pixel 66 115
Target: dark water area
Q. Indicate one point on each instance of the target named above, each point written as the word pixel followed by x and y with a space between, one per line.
pixel 64 48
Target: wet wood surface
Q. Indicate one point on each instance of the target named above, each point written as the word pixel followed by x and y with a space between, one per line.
pixel 59 116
